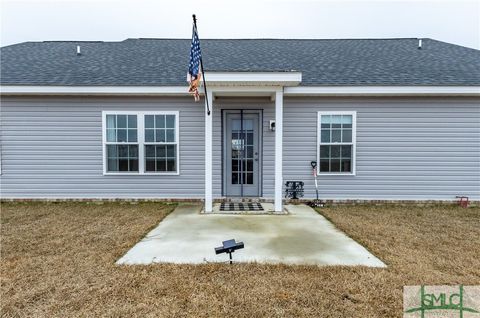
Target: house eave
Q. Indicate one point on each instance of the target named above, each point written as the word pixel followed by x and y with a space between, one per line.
pixel 383 91
pixel 242 86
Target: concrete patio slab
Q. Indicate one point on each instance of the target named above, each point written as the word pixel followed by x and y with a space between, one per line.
pixel 301 237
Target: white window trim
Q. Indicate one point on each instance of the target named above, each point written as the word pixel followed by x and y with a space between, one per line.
pixel 140 142
pixel 354 142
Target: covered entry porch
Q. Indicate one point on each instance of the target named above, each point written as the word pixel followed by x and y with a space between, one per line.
pixel 243 152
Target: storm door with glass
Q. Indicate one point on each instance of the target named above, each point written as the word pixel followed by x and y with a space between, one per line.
pixel 242 153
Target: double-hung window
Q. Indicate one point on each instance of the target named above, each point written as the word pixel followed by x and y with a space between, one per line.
pixel 122 143
pixel 160 143
pixel 140 142
pixel 336 142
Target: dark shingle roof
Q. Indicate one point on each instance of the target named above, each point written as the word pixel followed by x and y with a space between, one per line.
pixel 164 61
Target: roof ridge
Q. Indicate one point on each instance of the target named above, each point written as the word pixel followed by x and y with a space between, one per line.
pixel 285 39
pixel 71 41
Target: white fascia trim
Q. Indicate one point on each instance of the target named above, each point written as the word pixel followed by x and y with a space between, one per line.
pixel 93 90
pixel 382 91
pixel 288 78
pixel 246 86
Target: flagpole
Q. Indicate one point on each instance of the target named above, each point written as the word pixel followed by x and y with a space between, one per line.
pixel 201 66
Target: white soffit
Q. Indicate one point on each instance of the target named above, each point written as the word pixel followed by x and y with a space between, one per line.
pixel 288 78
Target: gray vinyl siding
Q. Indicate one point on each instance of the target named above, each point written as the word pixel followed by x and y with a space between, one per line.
pixel 52 148
pixel 407 149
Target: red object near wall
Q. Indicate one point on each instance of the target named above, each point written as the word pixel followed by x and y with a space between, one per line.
pixel 462 201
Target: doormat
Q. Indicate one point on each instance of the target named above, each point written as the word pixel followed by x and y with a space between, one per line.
pixel 229 206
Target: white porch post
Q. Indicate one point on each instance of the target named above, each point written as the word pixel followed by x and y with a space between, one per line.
pixel 208 154
pixel 278 150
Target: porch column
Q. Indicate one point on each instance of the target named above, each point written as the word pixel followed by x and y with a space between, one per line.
pixel 278 150
pixel 208 154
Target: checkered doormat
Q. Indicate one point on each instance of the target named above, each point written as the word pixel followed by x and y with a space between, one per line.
pixel 240 206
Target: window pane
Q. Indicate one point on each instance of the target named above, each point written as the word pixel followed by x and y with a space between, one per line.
pixel 249 138
pixel 111 135
pixel 122 151
pixel 121 135
pixel 133 164
pixel 347 119
pixel 150 165
pixel 325 152
pixel 121 121
pixel 346 165
pixel 112 151
pixel 249 178
pixel 111 121
pixel 171 151
pixel 325 136
pixel 249 165
pixel 150 151
pixel 326 119
pixel 132 121
pixel 249 152
pixel 171 165
pixel 149 121
pixel 160 135
pixel 236 153
pixel 112 165
pixel 336 135
pixel 132 135
pixel 324 165
pixel 133 151
pixel 235 165
pixel 170 121
pixel 161 165
pixel 336 121
pixel 347 135
pixel 170 135
pixel 335 152
pixel 335 165
pixel 122 164
pixel 347 152
pixel 161 151
pixel 159 121
pixel 235 178
pixel 149 135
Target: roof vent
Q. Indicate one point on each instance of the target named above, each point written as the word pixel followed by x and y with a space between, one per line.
pixel 419 44
pixel 78 50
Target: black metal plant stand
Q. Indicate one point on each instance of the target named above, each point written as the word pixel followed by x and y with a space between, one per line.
pixel 294 189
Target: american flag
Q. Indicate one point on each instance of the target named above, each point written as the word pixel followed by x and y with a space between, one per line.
pixel 194 72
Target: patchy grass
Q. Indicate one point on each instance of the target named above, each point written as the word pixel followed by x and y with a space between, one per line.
pixel 57 259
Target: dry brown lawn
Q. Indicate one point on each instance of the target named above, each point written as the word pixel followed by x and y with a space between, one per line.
pixel 57 260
